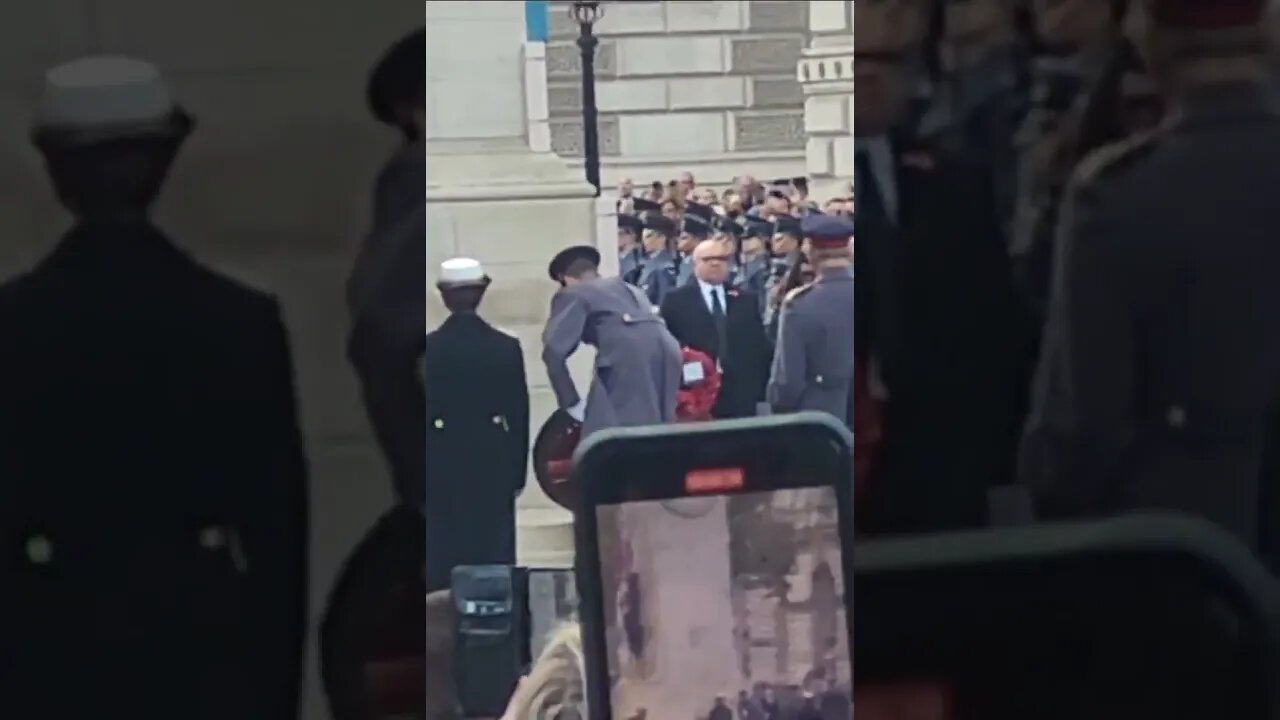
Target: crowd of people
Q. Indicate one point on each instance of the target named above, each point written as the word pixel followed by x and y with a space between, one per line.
pixel 1064 253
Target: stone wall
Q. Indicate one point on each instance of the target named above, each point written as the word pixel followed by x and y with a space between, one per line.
pixel 272 188
pixel 826 76
pixel 708 85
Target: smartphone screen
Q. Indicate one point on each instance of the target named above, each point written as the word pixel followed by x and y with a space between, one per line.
pixel 726 599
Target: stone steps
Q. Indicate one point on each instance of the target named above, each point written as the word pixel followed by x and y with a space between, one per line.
pixel 544 536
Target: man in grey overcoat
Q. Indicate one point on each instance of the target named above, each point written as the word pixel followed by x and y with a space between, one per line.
pixel 813 363
pixel 1160 363
pixel 387 288
pixel 638 362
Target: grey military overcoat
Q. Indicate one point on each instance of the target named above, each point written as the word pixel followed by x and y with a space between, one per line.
pixel 813 363
pixel 1161 359
pixel 637 367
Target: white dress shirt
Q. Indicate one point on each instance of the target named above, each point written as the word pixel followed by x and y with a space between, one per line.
pixel 707 291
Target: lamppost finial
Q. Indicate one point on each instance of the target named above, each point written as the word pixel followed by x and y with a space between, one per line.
pixel 586 12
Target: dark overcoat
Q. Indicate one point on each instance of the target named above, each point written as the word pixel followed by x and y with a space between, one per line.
pixel 153 499
pixel 477 445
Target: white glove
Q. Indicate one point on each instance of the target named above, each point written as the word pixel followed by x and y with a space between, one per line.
pixel 578 412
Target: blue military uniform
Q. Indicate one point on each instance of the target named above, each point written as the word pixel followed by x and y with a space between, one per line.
pixel 696 224
pixel 658 270
pixel 813 365
pixel 753 273
pixel 630 257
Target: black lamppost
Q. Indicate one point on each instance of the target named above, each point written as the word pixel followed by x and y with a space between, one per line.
pixel 586 13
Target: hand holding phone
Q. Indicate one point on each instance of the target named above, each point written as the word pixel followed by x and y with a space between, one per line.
pixel 692 542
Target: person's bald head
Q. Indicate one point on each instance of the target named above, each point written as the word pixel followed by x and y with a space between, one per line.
pixel 711 262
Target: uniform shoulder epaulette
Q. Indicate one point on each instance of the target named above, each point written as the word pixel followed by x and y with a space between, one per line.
pixel 1113 157
pixel 797 292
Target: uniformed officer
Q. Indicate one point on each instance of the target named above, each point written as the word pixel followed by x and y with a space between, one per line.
pixel 984 99
pixel 693 230
pixel 638 363
pixel 728 233
pixel 786 242
pixel 1160 362
pixel 658 269
pixel 477 431
pixel 153 492
pixel 630 252
pixel 754 274
pixel 1078 39
pixel 388 284
pixel 813 364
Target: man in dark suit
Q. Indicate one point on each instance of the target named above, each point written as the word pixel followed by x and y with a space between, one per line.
pixel 477 432
pixel 724 322
pixel 1160 362
pixel 153 499
pixel 387 287
pixel 936 321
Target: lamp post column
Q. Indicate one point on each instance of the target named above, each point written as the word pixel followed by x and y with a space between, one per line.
pixel 585 13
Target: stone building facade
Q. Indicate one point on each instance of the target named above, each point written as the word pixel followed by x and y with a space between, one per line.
pixel 704 85
pixel 825 72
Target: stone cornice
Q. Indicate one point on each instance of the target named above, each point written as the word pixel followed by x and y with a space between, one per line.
pixel 508 192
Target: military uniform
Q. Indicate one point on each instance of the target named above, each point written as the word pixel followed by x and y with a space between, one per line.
pixel 1160 363
pixel 658 274
pixel 629 260
pixel 980 117
pixel 638 363
pixel 813 363
pixel 477 443
pixel 153 490
pixel 1047 145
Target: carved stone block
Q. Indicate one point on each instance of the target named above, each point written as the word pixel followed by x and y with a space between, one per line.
pixel 564 98
pixel 774 15
pixel 776 92
pixel 769 131
pixel 559 24
pixel 564 60
pixel 566 136
pixel 776 54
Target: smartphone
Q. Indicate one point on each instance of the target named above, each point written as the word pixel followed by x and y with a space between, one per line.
pixel 714 565
pixel 553 603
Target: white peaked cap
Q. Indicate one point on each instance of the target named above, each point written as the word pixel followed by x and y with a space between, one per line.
pixel 461 271
pixel 104 90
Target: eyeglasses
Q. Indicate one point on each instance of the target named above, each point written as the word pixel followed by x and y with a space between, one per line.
pixel 717 258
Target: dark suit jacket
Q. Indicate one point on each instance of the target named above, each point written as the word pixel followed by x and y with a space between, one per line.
pixel 935 306
pixel 153 502
pixel 477 445
pixel 746 365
